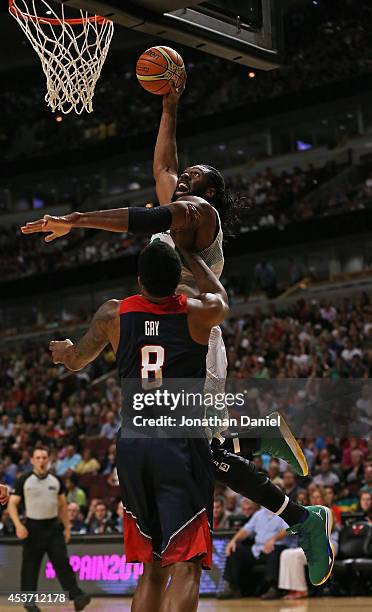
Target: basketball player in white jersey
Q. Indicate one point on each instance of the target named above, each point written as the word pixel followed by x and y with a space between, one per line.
pixel 194 205
pixel 193 208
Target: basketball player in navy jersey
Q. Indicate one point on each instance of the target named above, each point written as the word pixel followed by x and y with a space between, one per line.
pixel 193 207
pixel 167 484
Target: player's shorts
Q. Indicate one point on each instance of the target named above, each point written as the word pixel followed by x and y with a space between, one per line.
pixel 216 363
pixel 216 357
pixel 167 492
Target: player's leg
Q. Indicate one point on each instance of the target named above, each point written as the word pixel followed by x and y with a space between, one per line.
pixel 242 477
pixel 184 483
pixel 150 588
pixel 182 595
pixel 278 441
pixel 314 535
pixel 141 524
pixel 312 524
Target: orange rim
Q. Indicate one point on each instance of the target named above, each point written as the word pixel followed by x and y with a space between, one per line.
pixel 94 18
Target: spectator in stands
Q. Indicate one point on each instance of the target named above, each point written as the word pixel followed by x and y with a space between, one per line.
pixel 230 500
pixel 354 475
pixel 24 464
pixel 329 498
pixel 93 428
pixel 6 427
pixel 350 351
pixel 273 473
pixel 334 451
pixel 10 470
pixel 259 369
pixel 69 462
pixel 67 418
pixel 113 478
pixel 302 497
pixel 268 530
pixel 365 505
pixel 310 452
pixel 88 463
pixel 76 524
pixel 110 428
pixel 265 278
pixel 367 486
pixel 109 461
pixel 247 508
pixel 74 493
pixel 352 444
pixel 326 476
pixel 100 521
pixel 244 512
pixel 117 520
pixel 220 514
pixel 328 312
pixel 290 485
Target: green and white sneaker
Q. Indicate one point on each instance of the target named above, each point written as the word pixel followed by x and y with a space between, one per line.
pixel 314 538
pixel 285 446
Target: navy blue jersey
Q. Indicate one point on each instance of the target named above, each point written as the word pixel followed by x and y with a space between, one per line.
pixel 155 347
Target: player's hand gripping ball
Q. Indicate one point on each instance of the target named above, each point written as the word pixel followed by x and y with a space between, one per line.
pixel 158 67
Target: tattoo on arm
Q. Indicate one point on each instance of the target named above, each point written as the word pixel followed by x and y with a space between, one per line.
pixel 95 340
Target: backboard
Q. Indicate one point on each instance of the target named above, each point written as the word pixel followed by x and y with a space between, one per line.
pixel 248 32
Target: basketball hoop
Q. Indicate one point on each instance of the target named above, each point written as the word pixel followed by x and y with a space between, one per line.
pixel 72 51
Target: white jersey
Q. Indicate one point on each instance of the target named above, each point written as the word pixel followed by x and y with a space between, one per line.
pixel 212 256
pixel 216 357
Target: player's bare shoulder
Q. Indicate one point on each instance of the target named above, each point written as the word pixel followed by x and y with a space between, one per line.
pixel 109 311
pixel 203 209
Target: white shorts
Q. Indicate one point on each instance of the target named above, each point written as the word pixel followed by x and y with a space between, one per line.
pixel 216 376
pixel 216 357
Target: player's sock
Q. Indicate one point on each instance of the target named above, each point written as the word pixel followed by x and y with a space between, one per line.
pixel 292 513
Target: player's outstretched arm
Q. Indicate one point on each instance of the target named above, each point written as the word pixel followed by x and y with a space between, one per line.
pixel 165 164
pixel 104 329
pixel 186 214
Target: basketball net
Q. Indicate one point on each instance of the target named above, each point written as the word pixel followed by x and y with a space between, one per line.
pixel 72 51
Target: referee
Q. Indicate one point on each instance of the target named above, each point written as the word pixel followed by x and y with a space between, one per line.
pixel 43 496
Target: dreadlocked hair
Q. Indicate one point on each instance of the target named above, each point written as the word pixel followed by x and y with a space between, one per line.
pixel 228 206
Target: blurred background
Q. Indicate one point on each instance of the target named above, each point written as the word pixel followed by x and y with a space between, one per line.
pixel 296 142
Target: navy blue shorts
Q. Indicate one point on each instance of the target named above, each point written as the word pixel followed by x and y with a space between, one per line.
pixel 167 490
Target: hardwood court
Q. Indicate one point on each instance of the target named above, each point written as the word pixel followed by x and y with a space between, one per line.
pixel 326 604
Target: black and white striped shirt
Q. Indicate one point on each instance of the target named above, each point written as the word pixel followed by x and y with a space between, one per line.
pixel 40 495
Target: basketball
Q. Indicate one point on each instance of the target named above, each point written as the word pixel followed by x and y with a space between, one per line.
pixel 158 66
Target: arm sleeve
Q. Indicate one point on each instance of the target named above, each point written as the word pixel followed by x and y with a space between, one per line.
pixel 149 220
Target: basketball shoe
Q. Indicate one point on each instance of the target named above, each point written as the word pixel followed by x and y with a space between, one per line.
pixel 314 539
pixel 285 446
pixel 279 442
